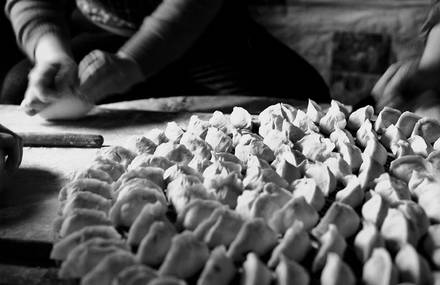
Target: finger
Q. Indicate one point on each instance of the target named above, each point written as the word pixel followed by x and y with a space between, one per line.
pixel 397 82
pixel 381 84
pixel 12 146
pixel 32 104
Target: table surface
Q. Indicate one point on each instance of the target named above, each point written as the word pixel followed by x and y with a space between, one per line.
pixel 28 200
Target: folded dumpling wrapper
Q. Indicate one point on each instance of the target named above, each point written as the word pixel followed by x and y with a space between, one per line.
pixel 196 145
pixel 314 111
pixel 432 239
pixel 197 127
pixel 401 148
pixel 156 243
pixel 375 209
pixel 297 209
pixel 338 166
pixel 352 194
pixel 150 213
pixel 63 247
pixel 256 178
pixel 427 128
pixel 397 230
pixel 308 188
pixel 81 218
pixel 255 272
pixel 94 173
pixel 87 184
pixel 255 147
pixel 274 139
pixel 412 267
pixel 380 269
pixel 315 147
pixel 256 236
pixel 173 132
pixel 288 171
pixel 367 240
pixel 293 133
pixel 407 122
pixel 336 271
pixel 220 121
pixel 303 122
pixel 84 257
pixel 365 133
pixel 334 117
pixel 219 269
pixel 415 215
pixel 154 174
pixel 140 144
pixel 199 163
pixel 351 154
pixel 294 245
pixel 376 151
pixel 392 189
pixel 224 227
pixel 174 172
pixel 118 154
pixel 330 241
pixel 157 136
pixel 285 111
pixel 135 275
pixel 196 212
pixel 404 166
pixel 342 216
pixel 146 160
pixel 134 184
pixel 388 116
pixel 324 178
pixel 85 200
pixel 358 117
pixel 186 256
pixel 370 170
pixel 179 198
pixel 290 272
pixel 240 118
pixel 391 135
pixel 339 136
pixel 109 268
pixel 420 146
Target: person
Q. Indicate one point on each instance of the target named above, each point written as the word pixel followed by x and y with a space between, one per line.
pixel 126 49
pixel 414 84
pixel 11 150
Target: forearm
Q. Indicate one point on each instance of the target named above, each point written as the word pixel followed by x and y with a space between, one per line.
pixel 33 19
pixel 169 32
pixel 430 60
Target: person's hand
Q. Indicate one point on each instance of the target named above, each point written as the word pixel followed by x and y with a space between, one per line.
pixel 48 81
pixel 401 85
pixel 11 149
pixel 102 74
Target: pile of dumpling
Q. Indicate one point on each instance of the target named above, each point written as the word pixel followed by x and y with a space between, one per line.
pixel 289 197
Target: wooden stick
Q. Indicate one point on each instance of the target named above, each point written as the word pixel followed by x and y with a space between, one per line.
pixel 37 139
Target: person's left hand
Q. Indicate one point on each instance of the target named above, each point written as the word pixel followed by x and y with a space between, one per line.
pixel 102 74
pixel 11 149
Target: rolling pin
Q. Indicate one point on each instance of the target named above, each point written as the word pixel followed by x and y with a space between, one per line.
pixel 38 139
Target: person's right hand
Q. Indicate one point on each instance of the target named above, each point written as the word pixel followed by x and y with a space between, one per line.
pixel 11 149
pixel 49 80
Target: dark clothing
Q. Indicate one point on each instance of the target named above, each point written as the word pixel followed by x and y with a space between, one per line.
pixel 233 56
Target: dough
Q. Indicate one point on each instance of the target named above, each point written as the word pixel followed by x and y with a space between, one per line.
pixel 68 107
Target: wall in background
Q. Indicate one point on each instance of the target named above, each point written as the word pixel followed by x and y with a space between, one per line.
pixel 351 42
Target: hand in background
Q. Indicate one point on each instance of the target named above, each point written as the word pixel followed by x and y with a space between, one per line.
pixel 11 149
pixel 48 81
pixel 102 74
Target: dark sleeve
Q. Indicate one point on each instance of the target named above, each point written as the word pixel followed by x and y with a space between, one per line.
pixel 167 33
pixel 432 19
pixel 31 19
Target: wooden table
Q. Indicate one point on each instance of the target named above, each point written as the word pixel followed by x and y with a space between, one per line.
pixel 28 202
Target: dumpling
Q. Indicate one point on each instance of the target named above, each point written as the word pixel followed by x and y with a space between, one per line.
pixel 271 199
pixel 388 116
pixel 338 166
pixel 391 135
pixel 332 119
pixel 366 241
pixel 420 146
pixel 287 170
pixel 174 172
pixel 376 151
pixel 147 160
pixel 155 245
pixel 339 136
pixel 352 194
pixel 185 258
pixel 303 122
pixel 81 218
pixel 274 122
pixel 113 168
pixel 307 188
pixel 62 248
pixel 407 122
pixel 196 212
pixel 118 154
pixel 314 111
pixel 157 136
pixel 403 167
pixel 109 268
pixel 240 118
pixel 218 140
pixel 87 255
pixel 199 164
pixel 401 148
pixel 177 153
pixel 358 117
pixel 365 133
pixel 315 147
pixel 221 122
pixel 173 132
pixel 415 215
pixel 256 236
pixel 223 168
pixel 351 154
pixel 225 189
pixel 289 272
pixel 89 185
pixel 412 267
pixel 219 269
pixel 256 178
pixel 197 127
pixel 150 213
pixel 368 172
pixel 375 209
pixel 285 111
pixel 336 272
pixel 127 208
pixel 427 128
pixel 255 147
pixel 135 275
pixel 196 145
pixel 379 269
pixel 293 133
pixel 140 144
pixel 341 216
pixel 397 230
pixel 138 183
pixel 297 209
pixel 274 139
pixel 330 241
pixel 392 189
pixel 245 203
pixel 324 178
pixel 180 197
pixel 154 174
pixel 85 200
pixel 94 174
pixel 255 272
pixel 431 244
pixel 294 245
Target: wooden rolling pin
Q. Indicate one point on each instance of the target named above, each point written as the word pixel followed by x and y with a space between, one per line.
pixel 38 139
